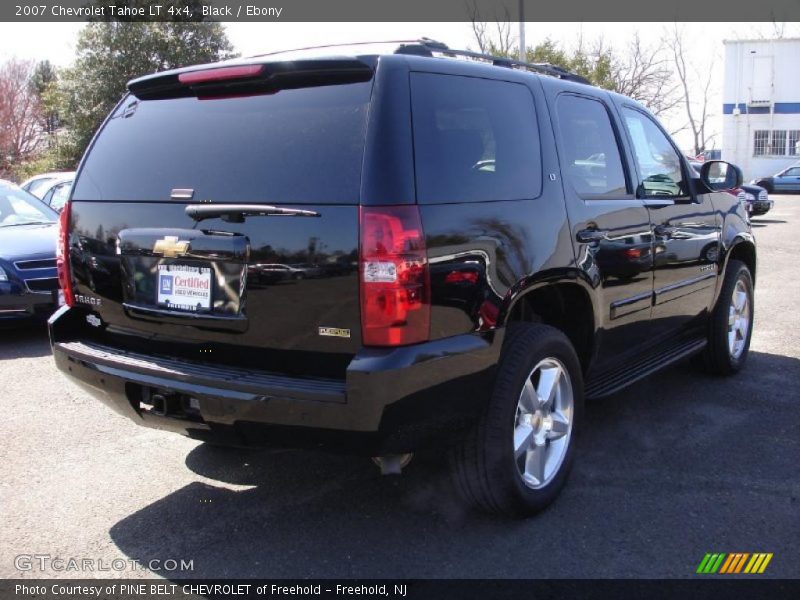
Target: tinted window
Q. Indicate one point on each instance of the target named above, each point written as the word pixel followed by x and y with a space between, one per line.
pixel 659 164
pixel 793 172
pixel 297 146
pixel 591 160
pixel 474 139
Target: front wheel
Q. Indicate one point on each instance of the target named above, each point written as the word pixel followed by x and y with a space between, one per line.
pixel 517 457
pixel 731 325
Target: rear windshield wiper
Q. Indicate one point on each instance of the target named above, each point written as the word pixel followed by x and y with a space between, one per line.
pixel 236 213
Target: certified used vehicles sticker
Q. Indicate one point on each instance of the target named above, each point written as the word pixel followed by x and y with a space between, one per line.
pixel 184 287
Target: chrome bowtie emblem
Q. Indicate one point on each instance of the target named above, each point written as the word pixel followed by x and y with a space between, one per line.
pixel 171 247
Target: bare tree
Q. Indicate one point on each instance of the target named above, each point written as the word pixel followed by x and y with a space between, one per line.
pixel 694 90
pixel 640 71
pixel 20 113
pixel 645 74
pixel 496 38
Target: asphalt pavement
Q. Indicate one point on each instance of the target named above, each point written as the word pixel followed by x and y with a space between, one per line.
pixel 676 466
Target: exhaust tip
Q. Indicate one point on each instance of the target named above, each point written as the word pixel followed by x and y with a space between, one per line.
pixel 392 464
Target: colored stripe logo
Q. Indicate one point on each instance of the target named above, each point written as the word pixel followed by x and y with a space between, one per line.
pixel 734 562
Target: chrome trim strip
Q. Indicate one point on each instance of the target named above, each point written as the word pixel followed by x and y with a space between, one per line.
pixel 686 282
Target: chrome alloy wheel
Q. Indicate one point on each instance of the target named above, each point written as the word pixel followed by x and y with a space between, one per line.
pixel 543 423
pixel 738 320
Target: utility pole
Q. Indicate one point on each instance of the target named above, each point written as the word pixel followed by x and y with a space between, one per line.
pixel 522 50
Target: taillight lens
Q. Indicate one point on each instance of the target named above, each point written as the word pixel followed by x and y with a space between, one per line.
pixel 62 256
pixel 395 282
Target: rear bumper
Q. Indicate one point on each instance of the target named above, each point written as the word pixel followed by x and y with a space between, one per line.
pixel 392 400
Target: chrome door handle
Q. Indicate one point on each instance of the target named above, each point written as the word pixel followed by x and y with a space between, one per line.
pixel 588 236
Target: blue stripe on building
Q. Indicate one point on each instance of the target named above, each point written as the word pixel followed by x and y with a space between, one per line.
pixel 780 108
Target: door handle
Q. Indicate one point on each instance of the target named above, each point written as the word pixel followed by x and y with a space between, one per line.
pixel 588 236
pixel 665 230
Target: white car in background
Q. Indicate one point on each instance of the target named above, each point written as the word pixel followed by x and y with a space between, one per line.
pixel 57 191
pixel 38 185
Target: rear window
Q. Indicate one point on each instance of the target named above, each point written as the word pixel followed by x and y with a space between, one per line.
pixel 474 139
pixel 299 146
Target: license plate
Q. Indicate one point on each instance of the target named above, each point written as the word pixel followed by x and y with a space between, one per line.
pixel 184 287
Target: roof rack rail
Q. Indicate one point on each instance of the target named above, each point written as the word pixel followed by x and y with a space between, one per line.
pixel 433 48
pixel 342 45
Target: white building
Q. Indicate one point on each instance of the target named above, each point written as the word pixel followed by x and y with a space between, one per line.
pixel 761 105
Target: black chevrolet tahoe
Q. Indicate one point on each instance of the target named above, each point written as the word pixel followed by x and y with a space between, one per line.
pixel 483 244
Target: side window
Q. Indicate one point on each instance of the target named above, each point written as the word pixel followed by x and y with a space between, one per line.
pixel 659 164
pixel 793 172
pixel 591 160
pixel 474 139
pixel 60 196
pixel 760 142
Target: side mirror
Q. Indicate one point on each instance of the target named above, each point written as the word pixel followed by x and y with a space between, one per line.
pixel 719 175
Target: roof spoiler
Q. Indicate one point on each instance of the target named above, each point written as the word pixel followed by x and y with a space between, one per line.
pixel 234 78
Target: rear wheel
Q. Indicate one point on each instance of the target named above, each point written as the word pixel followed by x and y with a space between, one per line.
pixel 731 325
pixel 517 457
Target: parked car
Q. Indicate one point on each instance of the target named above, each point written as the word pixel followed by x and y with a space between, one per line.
pixel 28 281
pixel 787 180
pixel 39 184
pixel 303 270
pixel 57 194
pixel 755 197
pixel 757 200
pixel 272 273
pixel 490 204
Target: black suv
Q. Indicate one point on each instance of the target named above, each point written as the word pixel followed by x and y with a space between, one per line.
pixel 494 241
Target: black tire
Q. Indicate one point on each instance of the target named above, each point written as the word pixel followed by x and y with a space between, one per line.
pixel 483 464
pixel 717 357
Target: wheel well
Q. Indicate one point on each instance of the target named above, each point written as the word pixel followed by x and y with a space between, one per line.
pixel 566 307
pixel 746 253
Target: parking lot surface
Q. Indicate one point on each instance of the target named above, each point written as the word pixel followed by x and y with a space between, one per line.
pixel 675 466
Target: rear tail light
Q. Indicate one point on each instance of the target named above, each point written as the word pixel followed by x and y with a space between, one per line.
pixel 395 282
pixel 62 256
